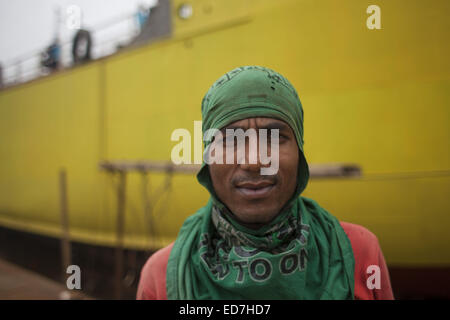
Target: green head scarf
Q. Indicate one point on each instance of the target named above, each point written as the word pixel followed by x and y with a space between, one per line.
pixel 302 254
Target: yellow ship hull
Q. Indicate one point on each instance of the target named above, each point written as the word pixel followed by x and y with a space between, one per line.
pixel 377 98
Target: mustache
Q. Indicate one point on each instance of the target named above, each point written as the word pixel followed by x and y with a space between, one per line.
pixel 273 179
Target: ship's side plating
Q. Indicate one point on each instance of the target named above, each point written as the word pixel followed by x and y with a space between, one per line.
pixel 377 98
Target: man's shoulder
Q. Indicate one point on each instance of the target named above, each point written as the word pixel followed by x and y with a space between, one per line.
pixel 358 232
pixel 158 260
pixel 152 283
pixel 368 254
pixel 364 243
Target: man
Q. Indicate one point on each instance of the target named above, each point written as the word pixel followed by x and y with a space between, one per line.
pixel 257 238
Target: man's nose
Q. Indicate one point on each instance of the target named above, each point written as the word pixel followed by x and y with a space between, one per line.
pixel 252 157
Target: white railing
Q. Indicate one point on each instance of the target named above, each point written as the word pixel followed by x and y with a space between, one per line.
pixel 107 38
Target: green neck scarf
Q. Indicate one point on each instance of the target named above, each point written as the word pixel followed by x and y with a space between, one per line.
pixel 302 254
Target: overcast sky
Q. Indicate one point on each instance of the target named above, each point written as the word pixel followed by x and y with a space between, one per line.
pixel 28 26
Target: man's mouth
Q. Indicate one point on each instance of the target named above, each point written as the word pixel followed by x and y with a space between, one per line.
pixel 255 190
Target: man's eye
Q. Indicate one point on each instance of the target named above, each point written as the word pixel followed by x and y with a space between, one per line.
pixel 280 137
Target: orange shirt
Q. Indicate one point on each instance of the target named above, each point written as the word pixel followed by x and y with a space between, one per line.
pixel 369 264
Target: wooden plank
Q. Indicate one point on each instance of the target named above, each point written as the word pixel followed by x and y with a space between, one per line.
pixel 120 228
pixel 329 170
pixel 66 254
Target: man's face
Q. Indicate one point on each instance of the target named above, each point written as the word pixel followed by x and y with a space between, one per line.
pixel 256 199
